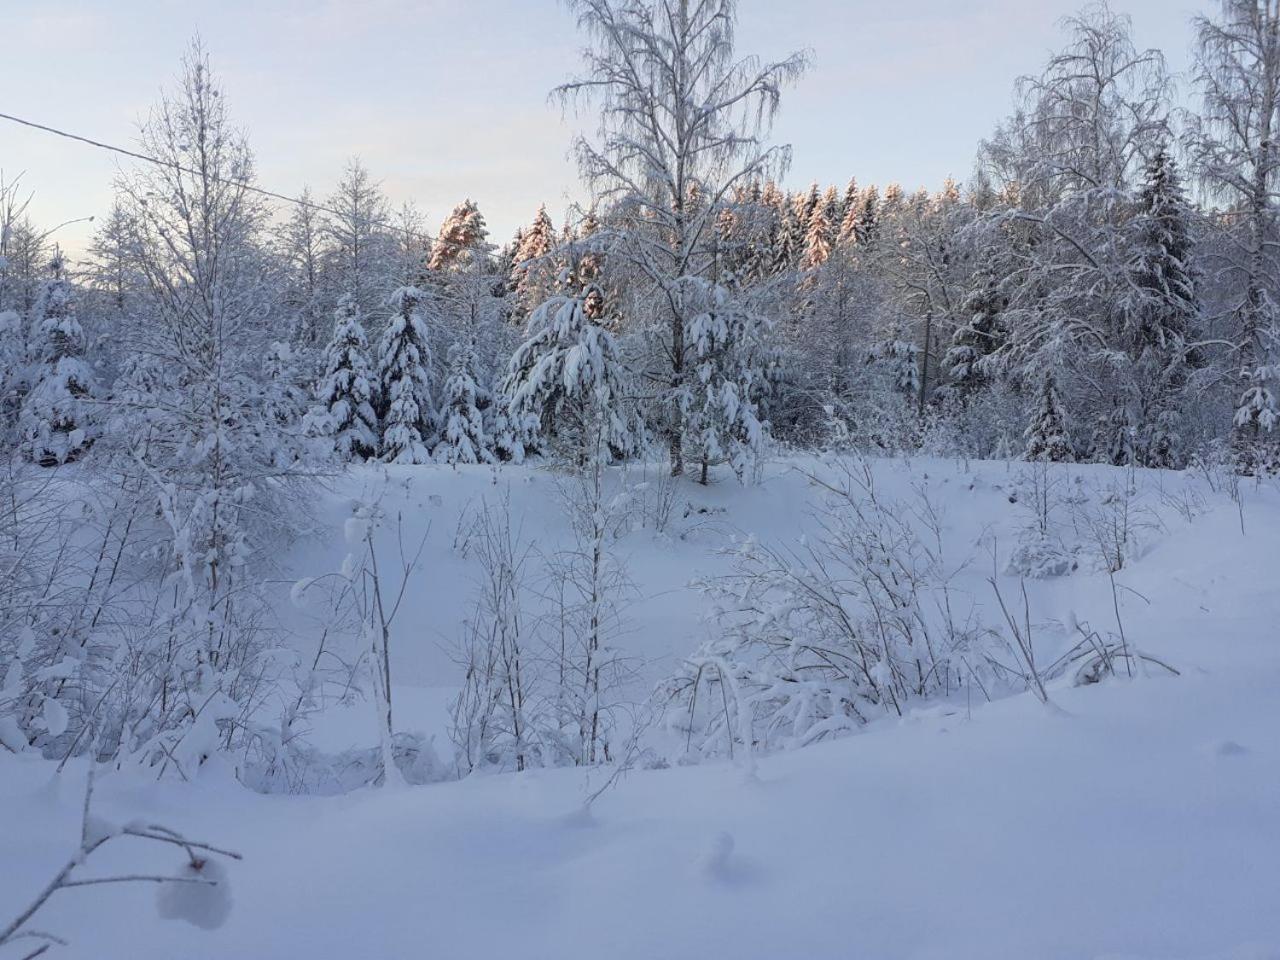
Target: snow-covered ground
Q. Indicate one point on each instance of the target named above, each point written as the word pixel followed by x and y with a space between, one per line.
pixel 1134 819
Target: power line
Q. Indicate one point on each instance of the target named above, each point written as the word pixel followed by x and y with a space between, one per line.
pixel 417 235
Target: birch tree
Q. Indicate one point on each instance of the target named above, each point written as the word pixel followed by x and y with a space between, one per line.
pixel 683 124
pixel 1232 141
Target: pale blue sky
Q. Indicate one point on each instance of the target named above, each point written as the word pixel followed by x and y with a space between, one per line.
pixel 444 99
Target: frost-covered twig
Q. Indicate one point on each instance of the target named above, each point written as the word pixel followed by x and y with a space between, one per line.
pixel 94 834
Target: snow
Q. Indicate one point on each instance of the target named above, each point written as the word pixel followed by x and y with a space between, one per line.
pixel 1136 820
pixel 204 901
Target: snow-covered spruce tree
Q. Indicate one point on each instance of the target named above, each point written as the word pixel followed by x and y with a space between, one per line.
pixel 866 229
pixel 284 399
pixel 1236 156
pixel 210 464
pixel 734 368
pixel 568 373
pixel 12 377
pixel 1158 318
pixel 817 240
pixel 890 395
pixel 346 390
pixel 683 125
pixel 532 270
pixel 404 381
pixel 514 435
pixel 981 335
pixel 462 433
pixel 56 420
pixel 1046 435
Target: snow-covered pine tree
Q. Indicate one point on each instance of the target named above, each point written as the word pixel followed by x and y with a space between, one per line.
pixel 1046 435
pixel 533 272
pixel 803 206
pixel 462 434
pixel 770 257
pixel 56 418
pixel 568 373
pixel 462 238
pixel 404 380
pixel 346 391
pixel 895 199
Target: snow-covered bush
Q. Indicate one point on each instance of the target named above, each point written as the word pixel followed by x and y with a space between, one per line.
pixel 817 639
pixel 498 719
pixel 1043 493
pixel 588 590
pixel 1113 522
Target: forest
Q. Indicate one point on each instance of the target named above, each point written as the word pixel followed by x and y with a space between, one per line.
pixel 668 479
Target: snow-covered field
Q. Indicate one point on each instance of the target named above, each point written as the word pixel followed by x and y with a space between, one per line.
pixel 1132 818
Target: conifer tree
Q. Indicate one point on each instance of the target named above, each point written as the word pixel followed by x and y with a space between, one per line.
pixel 462 438
pixel 850 210
pixel 513 435
pixel 12 376
pixel 833 208
pixel 817 241
pixel 55 419
pixel 867 229
pixel 568 375
pixel 1046 435
pixel 533 272
pixel 978 338
pixel 404 381
pixel 346 391
pixel 736 368
pixel 802 208
pixel 1160 315
pixel 786 253
pixel 462 240
pixel 894 200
